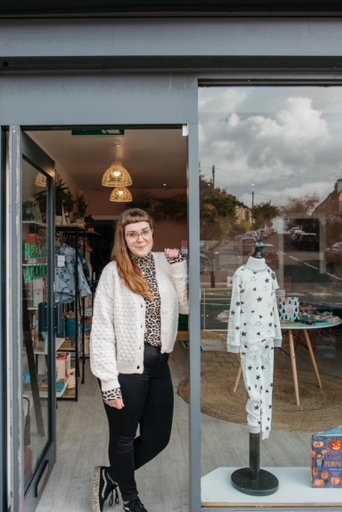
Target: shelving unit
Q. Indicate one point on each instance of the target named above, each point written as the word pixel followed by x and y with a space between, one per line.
pixel 34 276
pixel 74 341
pixel 92 237
pixel 34 291
pixel 34 265
pixel 41 352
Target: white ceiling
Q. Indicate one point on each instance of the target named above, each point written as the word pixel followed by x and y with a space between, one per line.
pixel 155 158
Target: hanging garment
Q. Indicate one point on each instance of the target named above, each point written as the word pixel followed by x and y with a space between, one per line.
pixel 86 271
pixel 87 256
pixel 65 275
pixel 253 331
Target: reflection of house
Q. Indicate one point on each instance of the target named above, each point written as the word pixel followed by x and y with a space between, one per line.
pixel 331 207
pixel 243 214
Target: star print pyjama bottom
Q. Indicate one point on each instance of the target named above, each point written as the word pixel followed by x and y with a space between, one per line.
pixel 257 368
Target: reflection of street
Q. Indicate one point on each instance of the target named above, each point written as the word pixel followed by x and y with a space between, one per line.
pixel 306 274
pixel 213 303
pixel 302 273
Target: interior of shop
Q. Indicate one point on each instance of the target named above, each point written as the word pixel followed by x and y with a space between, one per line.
pixel 156 160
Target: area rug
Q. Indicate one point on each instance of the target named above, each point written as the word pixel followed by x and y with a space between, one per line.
pixel 319 409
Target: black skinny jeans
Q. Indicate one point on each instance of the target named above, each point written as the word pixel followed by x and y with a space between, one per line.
pixel 148 399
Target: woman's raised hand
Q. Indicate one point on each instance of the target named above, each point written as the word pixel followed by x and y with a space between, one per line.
pixel 171 253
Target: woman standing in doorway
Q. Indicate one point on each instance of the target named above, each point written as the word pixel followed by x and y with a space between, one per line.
pixel 138 299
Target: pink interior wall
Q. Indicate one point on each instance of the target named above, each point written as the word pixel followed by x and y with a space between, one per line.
pixel 169 233
pixel 99 203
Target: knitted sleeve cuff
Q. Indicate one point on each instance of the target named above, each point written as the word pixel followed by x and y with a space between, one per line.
pixel 112 394
pixel 181 257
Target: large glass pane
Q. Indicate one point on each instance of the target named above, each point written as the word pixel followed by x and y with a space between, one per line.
pixel 270 174
pixel 35 323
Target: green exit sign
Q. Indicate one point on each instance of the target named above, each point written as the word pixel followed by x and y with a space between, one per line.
pixel 97 133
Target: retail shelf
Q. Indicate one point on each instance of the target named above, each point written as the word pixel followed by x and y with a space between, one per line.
pixel 41 348
pixel 43 390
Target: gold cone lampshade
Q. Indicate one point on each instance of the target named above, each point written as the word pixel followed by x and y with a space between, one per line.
pixel 41 178
pixel 121 195
pixel 116 176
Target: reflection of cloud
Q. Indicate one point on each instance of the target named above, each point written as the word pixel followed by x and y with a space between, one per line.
pixel 287 152
pixel 222 100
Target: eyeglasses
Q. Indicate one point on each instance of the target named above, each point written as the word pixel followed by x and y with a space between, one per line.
pixel 133 235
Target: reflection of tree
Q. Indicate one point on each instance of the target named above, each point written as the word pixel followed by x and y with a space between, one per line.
pixel 174 208
pixel 218 211
pixel 264 213
pixel 298 208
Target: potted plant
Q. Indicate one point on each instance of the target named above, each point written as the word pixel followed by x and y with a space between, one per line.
pixel 81 205
pixel 89 222
pixel 29 209
pixel 63 198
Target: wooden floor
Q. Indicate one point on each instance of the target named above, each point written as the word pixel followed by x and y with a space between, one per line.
pixel 164 483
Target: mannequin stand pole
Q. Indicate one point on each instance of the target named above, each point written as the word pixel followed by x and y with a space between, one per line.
pixel 253 480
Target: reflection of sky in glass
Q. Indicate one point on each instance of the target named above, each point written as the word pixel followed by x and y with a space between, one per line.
pixel 285 140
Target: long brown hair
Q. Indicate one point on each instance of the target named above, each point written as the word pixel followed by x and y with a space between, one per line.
pixel 128 270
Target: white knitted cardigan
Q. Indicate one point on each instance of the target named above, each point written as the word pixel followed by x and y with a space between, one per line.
pixel 117 334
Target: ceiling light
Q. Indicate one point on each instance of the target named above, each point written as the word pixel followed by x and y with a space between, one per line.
pixel 116 176
pixel 121 195
pixel 41 178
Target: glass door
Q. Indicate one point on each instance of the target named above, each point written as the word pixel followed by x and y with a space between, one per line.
pixel 31 350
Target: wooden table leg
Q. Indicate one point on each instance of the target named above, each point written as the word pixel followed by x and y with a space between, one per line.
pixel 313 359
pixel 237 380
pixel 294 367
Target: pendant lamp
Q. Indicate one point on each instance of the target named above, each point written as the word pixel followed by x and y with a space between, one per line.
pixel 41 178
pixel 116 176
pixel 121 195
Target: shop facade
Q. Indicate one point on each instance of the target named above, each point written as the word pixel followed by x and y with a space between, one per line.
pixel 90 72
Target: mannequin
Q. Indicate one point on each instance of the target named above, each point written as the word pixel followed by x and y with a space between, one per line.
pixel 253 332
pixel 258 249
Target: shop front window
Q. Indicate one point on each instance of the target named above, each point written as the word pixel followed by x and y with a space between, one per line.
pixel 271 191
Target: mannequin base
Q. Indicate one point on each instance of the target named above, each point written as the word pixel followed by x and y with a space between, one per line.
pixel 264 485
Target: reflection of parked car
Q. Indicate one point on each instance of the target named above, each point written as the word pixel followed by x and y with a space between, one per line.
pixel 333 254
pixel 244 245
pixel 294 234
pixel 262 233
pixel 205 265
pixel 252 234
pixel 271 255
pixel 307 241
pixel 248 245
